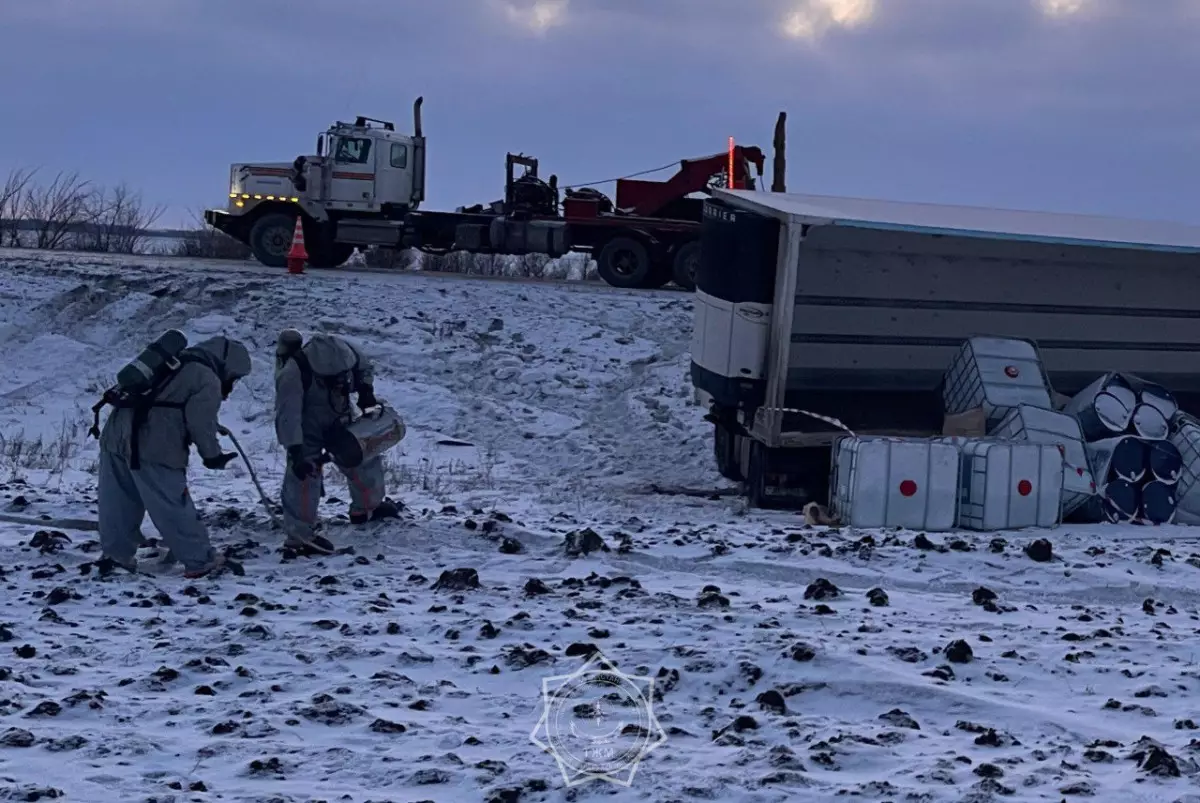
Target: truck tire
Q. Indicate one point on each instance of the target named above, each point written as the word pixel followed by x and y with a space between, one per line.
pixel 755 484
pixel 683 267
pixel 725 450
pixel 625 262
pixel 271 238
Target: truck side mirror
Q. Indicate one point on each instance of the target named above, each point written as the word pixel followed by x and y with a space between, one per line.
pixel 321 145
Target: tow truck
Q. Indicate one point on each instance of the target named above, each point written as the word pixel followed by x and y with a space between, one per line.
pixel 366 183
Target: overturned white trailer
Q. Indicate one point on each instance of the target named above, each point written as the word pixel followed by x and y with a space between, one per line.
pixel 854 309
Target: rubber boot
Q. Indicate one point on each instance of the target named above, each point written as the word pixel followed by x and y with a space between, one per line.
pixel 106 566
pixel 387 510
pixel 216 562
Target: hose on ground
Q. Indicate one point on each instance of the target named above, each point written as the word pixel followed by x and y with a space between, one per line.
pixel 262 494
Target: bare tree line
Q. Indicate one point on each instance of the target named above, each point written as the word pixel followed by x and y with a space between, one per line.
pixel 70 212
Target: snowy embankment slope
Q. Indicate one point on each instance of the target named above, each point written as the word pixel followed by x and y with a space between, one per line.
pixel 536 411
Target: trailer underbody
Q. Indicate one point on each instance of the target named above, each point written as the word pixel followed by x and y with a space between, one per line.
pixel 636 252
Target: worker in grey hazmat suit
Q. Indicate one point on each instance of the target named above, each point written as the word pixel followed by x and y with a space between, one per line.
pixel 143 469
pixel 313 384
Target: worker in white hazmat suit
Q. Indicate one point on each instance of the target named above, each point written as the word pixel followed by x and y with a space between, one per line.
pixel 313 385
pixel 144 452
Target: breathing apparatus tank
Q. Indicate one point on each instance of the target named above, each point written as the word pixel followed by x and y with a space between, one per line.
pixel 147 368
pixel 140 380
pixel 366 438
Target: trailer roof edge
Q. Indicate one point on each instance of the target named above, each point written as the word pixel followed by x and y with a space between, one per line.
pixel 975 222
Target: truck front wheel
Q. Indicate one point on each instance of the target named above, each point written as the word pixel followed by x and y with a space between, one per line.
pixel 625 262
pixel 271 239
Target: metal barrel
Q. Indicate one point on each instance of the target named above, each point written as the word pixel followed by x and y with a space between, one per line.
pixel 1158 503
pixel 366 438
pixel 1104 408
pixel 1121 501
pixel 1149 422
pixel 1164 461
pixel 1159 398
pixel 1122 458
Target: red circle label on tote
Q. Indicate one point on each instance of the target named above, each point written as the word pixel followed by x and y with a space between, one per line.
pixel 1012 372
pixel 908 488
pixel 1024 487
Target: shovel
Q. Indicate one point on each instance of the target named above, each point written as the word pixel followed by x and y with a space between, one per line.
pixel 262 494
pixel 315 546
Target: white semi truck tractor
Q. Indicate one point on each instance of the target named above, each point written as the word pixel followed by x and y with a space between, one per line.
pixel 362 172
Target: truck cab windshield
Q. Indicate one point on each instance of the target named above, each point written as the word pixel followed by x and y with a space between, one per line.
pixel 353 150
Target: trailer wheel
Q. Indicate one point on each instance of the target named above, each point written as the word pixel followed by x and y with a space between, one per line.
pixel 271 238
pixel 625 262
pixel 685 264
pixel 725 450
pixel 755 483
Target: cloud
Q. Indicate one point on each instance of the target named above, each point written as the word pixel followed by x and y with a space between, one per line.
pixel 992 58
pixel 812 19
pixel 539 16
pixel 1063 8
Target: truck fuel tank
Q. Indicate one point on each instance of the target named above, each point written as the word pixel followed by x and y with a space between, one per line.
pixel 529 237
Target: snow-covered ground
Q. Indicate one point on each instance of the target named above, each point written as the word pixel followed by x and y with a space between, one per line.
pixel 791 662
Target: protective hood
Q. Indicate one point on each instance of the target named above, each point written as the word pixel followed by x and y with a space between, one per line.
pixel 289 342
pixel 330 355
pixel 230 359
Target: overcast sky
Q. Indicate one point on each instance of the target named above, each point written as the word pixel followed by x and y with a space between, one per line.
pixel 1074 105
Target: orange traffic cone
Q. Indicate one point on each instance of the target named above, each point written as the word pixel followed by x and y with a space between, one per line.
pixel 299 254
